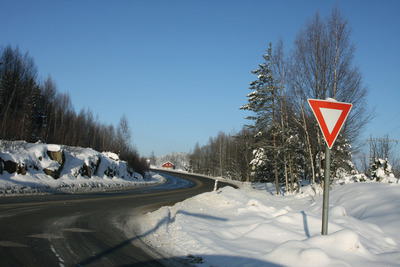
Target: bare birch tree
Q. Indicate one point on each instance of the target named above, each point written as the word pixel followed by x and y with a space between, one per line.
pixel 324 53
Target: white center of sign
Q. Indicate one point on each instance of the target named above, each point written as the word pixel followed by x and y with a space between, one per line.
pixel 331 117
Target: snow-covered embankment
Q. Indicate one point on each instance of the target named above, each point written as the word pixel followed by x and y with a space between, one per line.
pixel 255 227
pixel 27 168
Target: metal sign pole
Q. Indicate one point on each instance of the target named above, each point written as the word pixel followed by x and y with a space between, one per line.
pixel 331 116
pixel 326 191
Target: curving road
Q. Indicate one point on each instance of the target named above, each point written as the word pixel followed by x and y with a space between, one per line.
pixel 86 229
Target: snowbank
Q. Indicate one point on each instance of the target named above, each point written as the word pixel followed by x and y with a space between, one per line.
pixel 27 168
pixel 252 227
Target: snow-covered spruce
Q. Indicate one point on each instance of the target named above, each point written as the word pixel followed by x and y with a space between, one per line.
pixel 381 171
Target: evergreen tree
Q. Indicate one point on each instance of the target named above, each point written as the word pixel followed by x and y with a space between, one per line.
pixel 381 169
pixel 263 102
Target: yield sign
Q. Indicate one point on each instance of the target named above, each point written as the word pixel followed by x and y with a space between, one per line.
pixel 331 116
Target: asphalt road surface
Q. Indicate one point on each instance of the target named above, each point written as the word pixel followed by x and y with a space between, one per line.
pixel 88 229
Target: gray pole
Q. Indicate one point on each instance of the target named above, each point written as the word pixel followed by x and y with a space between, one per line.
pixel 326 191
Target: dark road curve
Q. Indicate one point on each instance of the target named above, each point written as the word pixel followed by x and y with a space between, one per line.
pixel 87 229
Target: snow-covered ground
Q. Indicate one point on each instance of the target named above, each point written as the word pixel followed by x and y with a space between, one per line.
pixel 81 170
pixel 252 226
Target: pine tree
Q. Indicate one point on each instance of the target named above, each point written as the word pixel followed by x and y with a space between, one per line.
pixel 381 169
pixel 263 101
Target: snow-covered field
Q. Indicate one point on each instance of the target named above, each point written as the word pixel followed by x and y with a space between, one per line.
pixel 252 226
pixel 80 170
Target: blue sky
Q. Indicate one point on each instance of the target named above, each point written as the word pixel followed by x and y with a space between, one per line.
pixel 180 70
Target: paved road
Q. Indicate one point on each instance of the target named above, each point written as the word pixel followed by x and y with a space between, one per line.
pixel 85 229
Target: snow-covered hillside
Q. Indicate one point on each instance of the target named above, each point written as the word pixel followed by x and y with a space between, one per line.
pixel 252 226
pixel 36 168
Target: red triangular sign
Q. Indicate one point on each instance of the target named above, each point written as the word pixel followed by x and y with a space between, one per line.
pixel 331 116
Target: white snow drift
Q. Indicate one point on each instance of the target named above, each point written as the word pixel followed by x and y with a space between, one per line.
pixel 255 227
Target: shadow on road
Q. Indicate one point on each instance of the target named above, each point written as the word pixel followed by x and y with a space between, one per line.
pixel 209 260
pixel 165 221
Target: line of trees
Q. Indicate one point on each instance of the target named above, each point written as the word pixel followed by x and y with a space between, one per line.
pixel 224 156
pixel 34 110
pixel 283 136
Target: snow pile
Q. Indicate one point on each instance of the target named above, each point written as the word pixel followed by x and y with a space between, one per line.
pixel 252 227
pixel 350 179
pixel 37 168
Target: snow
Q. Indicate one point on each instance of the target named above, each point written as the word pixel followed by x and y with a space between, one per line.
pixel 111 155
pixel 249 226
pixel 108 171
pixel 252 226
pixel 53 147
pixel 331 99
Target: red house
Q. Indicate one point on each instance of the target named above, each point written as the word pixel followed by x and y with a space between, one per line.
pixel 168 165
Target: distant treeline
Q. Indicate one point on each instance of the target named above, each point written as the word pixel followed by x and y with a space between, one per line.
pixel 226 156
pixel 33 110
